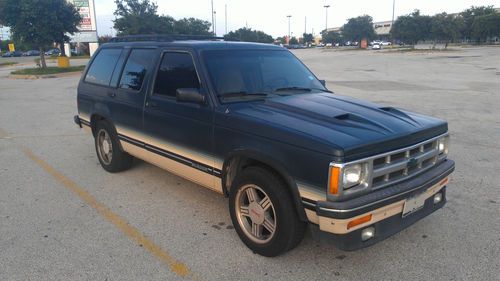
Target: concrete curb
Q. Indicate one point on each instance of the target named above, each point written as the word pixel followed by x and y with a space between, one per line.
pixel 45 76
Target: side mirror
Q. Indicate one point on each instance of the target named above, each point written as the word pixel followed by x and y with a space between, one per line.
pixel 323 82
pixel 190 95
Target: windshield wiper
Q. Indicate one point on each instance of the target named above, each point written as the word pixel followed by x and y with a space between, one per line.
pixel 286 89
pixel 241 94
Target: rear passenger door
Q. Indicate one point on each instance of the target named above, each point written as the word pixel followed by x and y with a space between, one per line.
pixel 130 88
pixel 93 91
pixel 181 131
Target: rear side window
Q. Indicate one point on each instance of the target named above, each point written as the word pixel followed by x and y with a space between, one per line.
pixel 102 67
pixel 135 70
pixel 176 71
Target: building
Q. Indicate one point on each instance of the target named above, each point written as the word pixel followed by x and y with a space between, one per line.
pixel 382 29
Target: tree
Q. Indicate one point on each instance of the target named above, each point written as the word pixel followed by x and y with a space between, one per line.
pixel 68 20
pixel 446 28
pixel 331 37
pixel 486 26
pixel 192 26
pixel 140 17
pixel 282 40
pixel 359 28
pixel 470 15
pixel 248 35
pixel 293 41
pixel 308 37
pixel 40 22
pixel 412 28
pixel 104 39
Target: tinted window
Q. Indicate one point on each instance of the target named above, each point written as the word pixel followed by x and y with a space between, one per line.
pixel 135 69
pixel 258 71
pixel 102 67
pixel 176 71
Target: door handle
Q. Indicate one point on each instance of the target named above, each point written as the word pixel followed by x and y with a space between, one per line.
pixel 152 104
pixel 112 94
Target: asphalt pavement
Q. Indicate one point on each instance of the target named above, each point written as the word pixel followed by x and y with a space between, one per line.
pixel 62 217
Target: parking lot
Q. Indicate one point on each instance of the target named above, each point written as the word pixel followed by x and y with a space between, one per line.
pixel 62 217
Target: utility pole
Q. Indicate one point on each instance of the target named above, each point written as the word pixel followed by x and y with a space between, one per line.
pixel 225 18
pixel 326 18
pixel 213 25
pixel 289 16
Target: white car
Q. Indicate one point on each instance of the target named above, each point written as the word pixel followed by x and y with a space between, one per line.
pixel 376 47
pixel 385 43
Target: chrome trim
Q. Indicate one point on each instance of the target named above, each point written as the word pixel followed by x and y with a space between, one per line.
pixel 149 141
pixel 179 169
pixel 311 193
pixel 397 166
pixel 381 200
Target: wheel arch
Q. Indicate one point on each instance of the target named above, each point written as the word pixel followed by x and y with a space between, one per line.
pixel 95 118
pixel 238 160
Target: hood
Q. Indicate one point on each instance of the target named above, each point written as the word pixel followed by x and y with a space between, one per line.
pixel 333 124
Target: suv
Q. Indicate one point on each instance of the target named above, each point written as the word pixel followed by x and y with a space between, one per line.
pixel 253 123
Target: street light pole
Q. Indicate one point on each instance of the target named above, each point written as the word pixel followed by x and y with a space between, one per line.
pixel 305 25
pixel 326 18
pixel 213 25
pixel 225 18
pixel 393 9
pixel 289 16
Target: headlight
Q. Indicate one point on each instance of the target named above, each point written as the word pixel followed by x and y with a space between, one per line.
pixel 443 144
pixel 354 175
pixel 348 176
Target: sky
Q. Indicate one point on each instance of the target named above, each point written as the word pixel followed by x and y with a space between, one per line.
pixel 270 16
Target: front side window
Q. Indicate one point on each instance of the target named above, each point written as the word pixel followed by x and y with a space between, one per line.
pixel 134 71
pixel 176 71
pixel 102 67
pixel 247 74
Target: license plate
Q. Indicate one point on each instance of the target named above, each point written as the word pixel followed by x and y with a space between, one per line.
pixel 413 204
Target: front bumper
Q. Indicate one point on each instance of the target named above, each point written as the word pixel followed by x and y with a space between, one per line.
pixel 384 206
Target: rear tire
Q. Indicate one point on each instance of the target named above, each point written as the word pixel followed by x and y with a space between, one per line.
pixel 108 150
pixel 263 214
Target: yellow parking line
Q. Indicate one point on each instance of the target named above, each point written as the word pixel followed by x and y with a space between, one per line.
pixel 133 233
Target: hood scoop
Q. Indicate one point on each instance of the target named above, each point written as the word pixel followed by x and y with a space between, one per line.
pixel 400 115
pixel 360 121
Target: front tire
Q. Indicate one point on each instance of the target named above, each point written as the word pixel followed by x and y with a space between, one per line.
pixel 111 157
pixel 263 214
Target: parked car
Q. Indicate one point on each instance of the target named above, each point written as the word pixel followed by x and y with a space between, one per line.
pixel 376 47
pixel 53 52
pixel 253 123
pixel 385 43
pixel 6 54
pixel 31 53
pixel 16 54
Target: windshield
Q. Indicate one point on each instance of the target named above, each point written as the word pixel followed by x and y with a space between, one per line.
pixel 258 74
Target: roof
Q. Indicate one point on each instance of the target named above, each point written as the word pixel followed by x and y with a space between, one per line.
pixel 195 42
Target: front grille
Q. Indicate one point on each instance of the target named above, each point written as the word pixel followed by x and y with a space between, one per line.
pixel 399 165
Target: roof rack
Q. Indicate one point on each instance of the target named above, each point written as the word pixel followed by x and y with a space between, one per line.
pixel 162 38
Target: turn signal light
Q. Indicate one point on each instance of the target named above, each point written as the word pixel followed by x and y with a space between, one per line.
pixel 359 221
pixel 334 180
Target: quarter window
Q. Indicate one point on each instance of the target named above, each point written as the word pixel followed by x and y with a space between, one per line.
pixel 102 67
pixel 135 70
pixel 176 71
